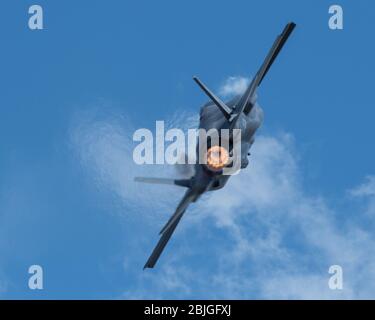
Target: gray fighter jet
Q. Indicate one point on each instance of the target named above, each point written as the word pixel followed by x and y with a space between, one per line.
pixel 242 113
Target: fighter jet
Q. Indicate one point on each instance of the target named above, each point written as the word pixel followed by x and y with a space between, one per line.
pixel 241 112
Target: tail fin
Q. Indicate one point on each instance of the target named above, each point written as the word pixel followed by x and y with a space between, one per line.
pixel 178 182
pixel 244 104
pixel 220 104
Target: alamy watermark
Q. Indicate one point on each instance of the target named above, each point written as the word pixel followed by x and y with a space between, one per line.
pixel 36 279
pixel 219 150
pixel 36 19
pixel 336 20
pixel 336 281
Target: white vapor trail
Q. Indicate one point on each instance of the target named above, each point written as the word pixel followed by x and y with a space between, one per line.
pixel 262 236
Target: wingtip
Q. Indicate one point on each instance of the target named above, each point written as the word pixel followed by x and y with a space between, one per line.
pixel 147 266
pixel 292 25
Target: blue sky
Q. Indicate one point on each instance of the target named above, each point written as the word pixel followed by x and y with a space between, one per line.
pixel 73 94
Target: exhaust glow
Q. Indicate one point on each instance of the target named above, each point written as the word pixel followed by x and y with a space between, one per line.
pixel 217 158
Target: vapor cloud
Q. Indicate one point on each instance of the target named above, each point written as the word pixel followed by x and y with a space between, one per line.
pixel 234 86
pixel 263 236
pixel 366 191
pixel 104 146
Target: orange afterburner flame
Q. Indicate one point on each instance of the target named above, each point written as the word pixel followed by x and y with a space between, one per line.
pixel 217 158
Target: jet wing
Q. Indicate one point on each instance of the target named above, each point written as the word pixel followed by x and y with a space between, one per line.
pixel 243 105
pixel 169 228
